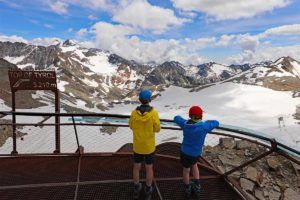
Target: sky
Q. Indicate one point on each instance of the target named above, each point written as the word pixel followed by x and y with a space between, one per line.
pixel 188 31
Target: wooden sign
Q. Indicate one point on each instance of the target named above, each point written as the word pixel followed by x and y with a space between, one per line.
pixel 32 80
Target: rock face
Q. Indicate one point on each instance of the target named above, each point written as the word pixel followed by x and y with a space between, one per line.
pixel 270 178
pixel 259 194
pixel 247 185
pixel 228 143
pixel 273 163
pixel 290 194
pixel 171 73
pixel 35 55
pixel 242 144
pixel 251 173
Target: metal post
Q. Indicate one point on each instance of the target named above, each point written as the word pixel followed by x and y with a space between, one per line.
pixel 57 123
pixel 13 105
pixel 75 132
pixel 249 162
pixel 273 149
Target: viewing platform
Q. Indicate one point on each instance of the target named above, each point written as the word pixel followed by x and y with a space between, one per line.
pixel 102 176
pixel 85 174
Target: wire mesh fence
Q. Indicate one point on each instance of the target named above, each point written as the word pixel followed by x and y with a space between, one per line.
pixel 36 134
pixel 94 136
pixel 227 152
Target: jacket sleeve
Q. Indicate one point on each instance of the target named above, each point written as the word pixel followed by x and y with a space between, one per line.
pixel 130 120
pixel 156 123
pixel 180 121
pixel 209 125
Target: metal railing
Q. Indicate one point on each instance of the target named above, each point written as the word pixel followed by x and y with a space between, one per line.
pixel 91 133
pixel 90 122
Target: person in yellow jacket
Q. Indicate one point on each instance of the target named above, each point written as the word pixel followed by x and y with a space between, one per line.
pixel 144 122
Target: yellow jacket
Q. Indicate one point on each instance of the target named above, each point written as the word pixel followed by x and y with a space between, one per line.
pixel 144 127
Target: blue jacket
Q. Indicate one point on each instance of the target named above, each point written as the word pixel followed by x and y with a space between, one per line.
pixel 194 135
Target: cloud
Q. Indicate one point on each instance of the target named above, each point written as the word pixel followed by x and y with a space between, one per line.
pixel 58 7
pixel 189 14
pixel 141 14
pixel 122 40
pixel 253 50
pixel 108 35
pixel 61 6
pixel 36 41
pixel 293 29
pixel 94 4
pixel 34 21
pixel 230 9
pixel 87 44
pixel 82 32
pixel 48 25
pixel 247 42
pixel 12 38
pixel 264 53
pixel 47 41
pixel 251 42
pixel 225 40
pixel 92 17
pixel 70 30
pixel 11 4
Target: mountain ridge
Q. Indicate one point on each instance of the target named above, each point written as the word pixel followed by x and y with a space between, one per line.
pixel 99 78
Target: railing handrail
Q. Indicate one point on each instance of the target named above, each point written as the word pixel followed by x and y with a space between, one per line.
pixel 221 127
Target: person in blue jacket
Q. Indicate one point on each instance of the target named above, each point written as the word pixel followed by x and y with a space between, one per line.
pixel 194 133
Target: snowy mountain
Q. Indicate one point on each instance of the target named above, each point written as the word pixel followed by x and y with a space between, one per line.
pixel 213 72
pixel 283 74
pixel 85 76
pixel 93 79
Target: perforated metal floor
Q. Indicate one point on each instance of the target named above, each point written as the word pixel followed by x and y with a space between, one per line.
pixel 100 177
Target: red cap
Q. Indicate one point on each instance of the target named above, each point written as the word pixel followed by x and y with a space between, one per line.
pixel 196 112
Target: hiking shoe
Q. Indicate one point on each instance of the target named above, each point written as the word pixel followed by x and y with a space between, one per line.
pixel 136 190
pixel 196 189
pixel 148 192
pixel 188 191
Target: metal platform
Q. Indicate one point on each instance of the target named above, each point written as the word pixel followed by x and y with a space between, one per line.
pixel 109 175
pixel 101 176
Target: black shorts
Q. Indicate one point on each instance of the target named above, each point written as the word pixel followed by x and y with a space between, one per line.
pixel 139 158
pixel 187 161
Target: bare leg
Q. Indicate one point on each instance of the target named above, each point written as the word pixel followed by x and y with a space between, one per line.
pixel 136 172
pixel 186 175
pixel 195 171
pixel 149 175
pixel 196 181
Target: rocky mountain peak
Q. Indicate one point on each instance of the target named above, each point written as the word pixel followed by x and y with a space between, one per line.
pixel 288 64
pixel 172 64
pixel 208 64
pixel 69 43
